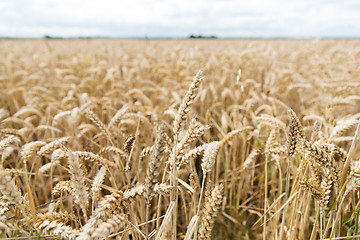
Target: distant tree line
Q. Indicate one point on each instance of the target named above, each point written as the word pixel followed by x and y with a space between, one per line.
pixel 80 37
pixel 94 37
pixel 51 37
pixel 201 36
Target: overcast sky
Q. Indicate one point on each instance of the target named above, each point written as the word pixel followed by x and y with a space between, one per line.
pixel 180 18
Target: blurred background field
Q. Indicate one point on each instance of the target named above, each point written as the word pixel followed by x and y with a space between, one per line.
pixel 47 85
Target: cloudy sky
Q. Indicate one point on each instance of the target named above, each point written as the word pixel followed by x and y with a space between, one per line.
pixel 180 18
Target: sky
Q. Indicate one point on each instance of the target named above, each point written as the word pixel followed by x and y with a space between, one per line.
pixel 180 18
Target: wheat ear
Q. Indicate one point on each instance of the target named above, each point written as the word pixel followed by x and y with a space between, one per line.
pixel 9 141
pixel 11 193
pixel 212 204
pixel 98 180
pixel 48 148
pixel 185 106
pixel 295 131
pixel 251 158
pixel 62 187
pixel 78 182
pixel 208 161
pixel 92 157
pixel 153 169
pixel 179 123
pixel 28 149
pixel 54 224
pixel 111 225
pixel 4 207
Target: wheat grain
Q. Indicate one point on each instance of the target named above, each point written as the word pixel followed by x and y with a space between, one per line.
pixel 62 187
pixel 146 151
pixel 4 207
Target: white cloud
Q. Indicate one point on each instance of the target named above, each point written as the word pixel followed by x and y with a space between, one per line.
pixel 155 18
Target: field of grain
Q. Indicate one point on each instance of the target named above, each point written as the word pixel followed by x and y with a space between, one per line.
pixel 179 139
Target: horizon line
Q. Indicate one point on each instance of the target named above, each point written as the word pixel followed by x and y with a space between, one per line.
pixel 192 36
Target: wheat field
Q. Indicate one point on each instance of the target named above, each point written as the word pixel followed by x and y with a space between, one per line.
pixel 179 139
